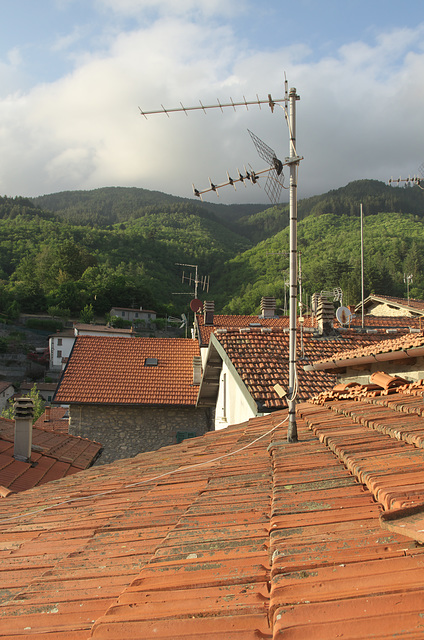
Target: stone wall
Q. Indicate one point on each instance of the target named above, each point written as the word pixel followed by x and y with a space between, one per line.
pixel 126 431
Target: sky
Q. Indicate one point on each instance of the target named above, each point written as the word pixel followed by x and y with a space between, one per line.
pixel 74 75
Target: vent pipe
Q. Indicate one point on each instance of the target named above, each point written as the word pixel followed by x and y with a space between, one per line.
pixel 197 370
pixel 24 412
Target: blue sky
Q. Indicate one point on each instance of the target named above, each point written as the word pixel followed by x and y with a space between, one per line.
pixel 74 72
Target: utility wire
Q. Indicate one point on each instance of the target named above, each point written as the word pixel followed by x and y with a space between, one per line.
pixel 136 484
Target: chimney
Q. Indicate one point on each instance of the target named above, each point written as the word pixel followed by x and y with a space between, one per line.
pixel 47 414
pixel 325 316
pixel 24 412
pixel 197 370
pixel 268 306
pixel 208 311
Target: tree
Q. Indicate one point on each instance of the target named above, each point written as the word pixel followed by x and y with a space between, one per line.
pixel 87 314
pixel 39 405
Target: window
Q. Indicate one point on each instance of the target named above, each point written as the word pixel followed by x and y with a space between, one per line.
pixel 123 313
pixel 183 435
pixel 59 354
pixel 151 362
pixel 59 342
pixel 136 315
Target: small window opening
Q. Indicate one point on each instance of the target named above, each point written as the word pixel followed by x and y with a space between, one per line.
pixel 151 362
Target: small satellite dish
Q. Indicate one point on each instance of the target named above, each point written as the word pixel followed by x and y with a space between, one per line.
pixel 344 315
pixel 196 305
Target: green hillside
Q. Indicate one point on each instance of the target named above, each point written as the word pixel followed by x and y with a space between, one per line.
pixel 330 250
pixel 119 246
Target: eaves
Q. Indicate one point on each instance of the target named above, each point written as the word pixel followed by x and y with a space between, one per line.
pixel 209 387
pixel 334 365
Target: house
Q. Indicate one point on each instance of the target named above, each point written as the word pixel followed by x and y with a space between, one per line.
pixel 208 322
pixel 235 534
pixel 6 392
pixel 61 343
pixel 54 419
pixel 402 356
pixel 390 306
pixel 246 370
pixel 133 395
pixel 133 315
pixel 47 456
pixel 46 390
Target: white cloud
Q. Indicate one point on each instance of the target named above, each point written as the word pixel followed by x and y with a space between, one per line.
pixel 356 117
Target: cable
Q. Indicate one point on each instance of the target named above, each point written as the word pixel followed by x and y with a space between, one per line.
pixel 136 484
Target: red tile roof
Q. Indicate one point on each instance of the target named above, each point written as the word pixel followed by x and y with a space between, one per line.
pixel 409 345
pixel 282 322
pixel 274 541
pixel 404 303
pixel 54 455
pixel 261 358
pixel 111 370
pixel 54 419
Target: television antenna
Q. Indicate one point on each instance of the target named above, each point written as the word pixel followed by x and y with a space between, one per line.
pixel 408 279
pixel 414 180
pixel 275 169
pixel 194 280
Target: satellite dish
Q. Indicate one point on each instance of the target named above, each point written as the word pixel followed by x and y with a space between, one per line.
pixel 196 305
pixel 344 315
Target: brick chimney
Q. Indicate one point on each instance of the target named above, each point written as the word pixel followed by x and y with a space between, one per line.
pixel 325 316
pixel 47 414
pixel 197 370
pixel 268 306
pixel 208 311
pixel 24 412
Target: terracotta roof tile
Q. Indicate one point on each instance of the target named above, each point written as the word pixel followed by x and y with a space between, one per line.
pixel 262 360
pixel 111 370
pixel 277 540
pixel 54 455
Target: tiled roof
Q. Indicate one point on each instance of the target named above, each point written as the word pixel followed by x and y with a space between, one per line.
pixel 100 328
pixel 54 419
pixel 236 322
pixel 274 541
pixel 5 385
pixel 111 370
pixel 409 345
pixel 261 358
pixel 53 456
pixel 282 322
pixel 383 322
pixel 416 305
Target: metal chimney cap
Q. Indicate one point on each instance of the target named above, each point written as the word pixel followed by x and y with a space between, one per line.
pixel 24 408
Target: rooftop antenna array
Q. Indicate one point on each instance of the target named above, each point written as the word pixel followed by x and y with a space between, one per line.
pixel 195 279
pixel 414 180
pixel 274 184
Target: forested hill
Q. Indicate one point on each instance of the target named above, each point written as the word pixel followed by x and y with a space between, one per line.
pixel 109 205
pixel 120 246
pixel 374 195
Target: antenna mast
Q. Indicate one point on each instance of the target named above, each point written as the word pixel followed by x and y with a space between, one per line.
pixel 275 184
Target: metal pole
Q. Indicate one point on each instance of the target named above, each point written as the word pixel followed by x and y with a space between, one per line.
pixel 362 266
pixel 292 427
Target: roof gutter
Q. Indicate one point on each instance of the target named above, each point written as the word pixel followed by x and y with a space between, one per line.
pixel 402 354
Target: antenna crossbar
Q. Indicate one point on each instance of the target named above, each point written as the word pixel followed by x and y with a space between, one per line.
pixel 271 102
pixel 250 176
